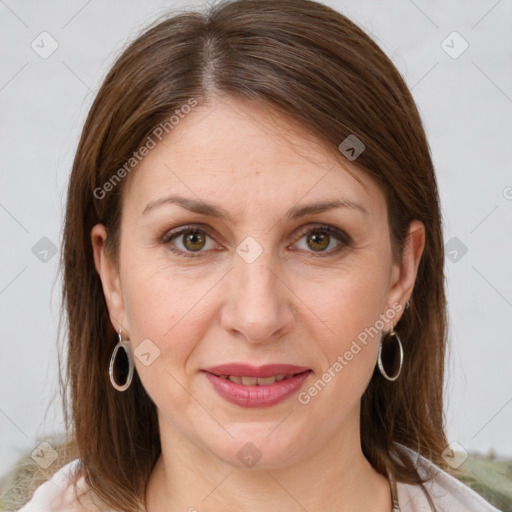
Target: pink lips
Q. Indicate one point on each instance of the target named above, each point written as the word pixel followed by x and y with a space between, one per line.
pixel 256 395
pixel 239 369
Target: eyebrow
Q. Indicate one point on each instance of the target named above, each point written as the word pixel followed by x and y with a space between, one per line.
pixel 205 208
pixel 193 205
pixel 312 208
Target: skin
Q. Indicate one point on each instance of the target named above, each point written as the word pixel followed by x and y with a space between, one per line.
pixel 297 303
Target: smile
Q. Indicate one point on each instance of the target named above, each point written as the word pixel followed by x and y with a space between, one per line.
pixel 255 381
pixel 252 387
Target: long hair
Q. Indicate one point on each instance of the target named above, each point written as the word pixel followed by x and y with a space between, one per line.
pixel 312 64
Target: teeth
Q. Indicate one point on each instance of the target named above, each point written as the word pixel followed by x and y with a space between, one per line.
pixel 253 381
pixel 265 381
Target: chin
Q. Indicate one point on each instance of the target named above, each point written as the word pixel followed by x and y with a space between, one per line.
pixel 255 448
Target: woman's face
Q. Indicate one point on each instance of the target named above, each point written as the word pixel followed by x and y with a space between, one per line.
pixel 224 261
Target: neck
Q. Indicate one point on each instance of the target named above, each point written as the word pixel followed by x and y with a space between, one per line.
pixel 335 478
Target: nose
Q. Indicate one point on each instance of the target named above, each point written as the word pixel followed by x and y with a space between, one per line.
pixel 259 306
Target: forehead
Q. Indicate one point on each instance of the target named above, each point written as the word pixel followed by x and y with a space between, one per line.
pixel 236 150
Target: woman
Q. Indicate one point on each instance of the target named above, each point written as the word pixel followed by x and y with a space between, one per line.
pixel 253 276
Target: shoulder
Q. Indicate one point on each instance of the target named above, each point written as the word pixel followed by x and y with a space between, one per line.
pixel 59 493
pixel 446 491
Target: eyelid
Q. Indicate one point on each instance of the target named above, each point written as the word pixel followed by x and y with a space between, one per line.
pixel 167 235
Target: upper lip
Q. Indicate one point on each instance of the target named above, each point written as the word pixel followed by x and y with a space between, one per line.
pixel 245 370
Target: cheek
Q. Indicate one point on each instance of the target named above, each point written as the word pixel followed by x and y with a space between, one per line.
pixel 167 308
pixel 165 322
pixel 349 306
pixel 348 303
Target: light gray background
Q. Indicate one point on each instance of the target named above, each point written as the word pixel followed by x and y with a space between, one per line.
pixel 466 106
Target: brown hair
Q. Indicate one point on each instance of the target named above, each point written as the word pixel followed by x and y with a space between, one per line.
pixel 312 64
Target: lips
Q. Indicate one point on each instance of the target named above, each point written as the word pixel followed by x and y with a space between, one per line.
pixel 244 370
pixel 249 386
pixel 255 381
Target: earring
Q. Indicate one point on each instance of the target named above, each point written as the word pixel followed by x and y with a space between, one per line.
pixel 120 368
pixel 392 357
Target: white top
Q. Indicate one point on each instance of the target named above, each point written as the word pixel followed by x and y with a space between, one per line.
pixel 447 493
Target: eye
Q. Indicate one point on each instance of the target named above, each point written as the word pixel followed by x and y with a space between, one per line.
pixel 188 240
pixel 323 239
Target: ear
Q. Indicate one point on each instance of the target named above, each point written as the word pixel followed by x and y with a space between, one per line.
pixel 404 273
pixel 109 276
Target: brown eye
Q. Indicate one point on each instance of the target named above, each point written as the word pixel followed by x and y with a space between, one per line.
pixel 194 240
pixel 187 241
pixel 323 240
pixel 318 241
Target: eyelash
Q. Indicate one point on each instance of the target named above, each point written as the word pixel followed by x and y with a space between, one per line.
pixel 343 239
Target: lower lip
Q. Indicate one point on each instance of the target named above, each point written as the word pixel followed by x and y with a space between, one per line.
pixel 257 396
